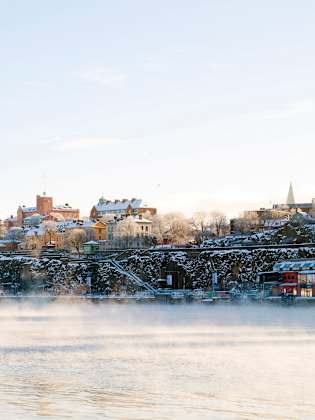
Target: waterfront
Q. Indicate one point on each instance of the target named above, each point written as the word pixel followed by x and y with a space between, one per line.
pixel 111 361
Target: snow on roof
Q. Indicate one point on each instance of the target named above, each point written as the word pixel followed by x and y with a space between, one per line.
pixel 117 205
pixel 28 209
pixel 70 224
pixel 33 217
pixel 142 220
pixel 295 265
pixel 60 227
pixel 63 207
pixel 293 206
pixel 35 231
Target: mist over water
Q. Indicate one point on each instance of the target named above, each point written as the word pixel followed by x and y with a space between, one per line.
pixel 87 361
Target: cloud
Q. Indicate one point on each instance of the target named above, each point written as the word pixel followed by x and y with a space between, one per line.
pixel 103 76
pixel 80 143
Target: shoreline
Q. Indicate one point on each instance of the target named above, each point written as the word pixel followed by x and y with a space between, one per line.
pixel 134 299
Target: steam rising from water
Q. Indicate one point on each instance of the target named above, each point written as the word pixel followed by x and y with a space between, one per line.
pixel 148 361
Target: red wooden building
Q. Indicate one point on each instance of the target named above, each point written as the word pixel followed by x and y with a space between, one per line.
pixel 293 277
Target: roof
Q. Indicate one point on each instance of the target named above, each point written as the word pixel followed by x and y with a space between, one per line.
pixel 293 206
pixel 63 207
pixel 295 265
pixel 28 209
pixel 33 217
pixel 117 205
pixel 135 219
pixel 11 218
pixel 60 227
pixel 71 224
pixel 142 220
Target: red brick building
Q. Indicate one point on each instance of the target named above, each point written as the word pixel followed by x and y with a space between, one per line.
pixel 46 209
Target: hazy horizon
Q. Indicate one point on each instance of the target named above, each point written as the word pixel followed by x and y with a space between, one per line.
pixel 250 206
pixel 188 105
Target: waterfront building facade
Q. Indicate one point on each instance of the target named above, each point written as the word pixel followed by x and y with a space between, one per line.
pixel 290 278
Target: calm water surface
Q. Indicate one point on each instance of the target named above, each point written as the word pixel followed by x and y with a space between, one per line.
pixel 87 361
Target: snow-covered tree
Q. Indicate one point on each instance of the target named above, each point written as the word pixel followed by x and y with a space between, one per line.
pixel 50 228
pixel 159 227
pixel 76 238
pixel 106 218
pixel 177 227
pixel 15 234
pixel 127 227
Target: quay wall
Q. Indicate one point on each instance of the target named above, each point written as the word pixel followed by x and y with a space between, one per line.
pixel 189 270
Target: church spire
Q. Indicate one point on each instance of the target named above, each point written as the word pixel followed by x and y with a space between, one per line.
pixel 290 198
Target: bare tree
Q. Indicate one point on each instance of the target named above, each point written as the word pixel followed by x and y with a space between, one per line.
pixel 3 230
pixel 50 228
pixel 201 225
pixel 219 222
pixel 76 238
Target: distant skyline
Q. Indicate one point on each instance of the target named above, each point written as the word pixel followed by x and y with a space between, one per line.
pixel 191 106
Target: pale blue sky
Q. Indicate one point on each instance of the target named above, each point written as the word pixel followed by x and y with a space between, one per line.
pixel 188 104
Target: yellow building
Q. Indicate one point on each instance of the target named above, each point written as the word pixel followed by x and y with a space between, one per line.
pixel 38 237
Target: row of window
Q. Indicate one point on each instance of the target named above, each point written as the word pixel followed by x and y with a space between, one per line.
pixel 306 278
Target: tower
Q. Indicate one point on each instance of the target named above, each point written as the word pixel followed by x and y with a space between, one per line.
pixel 290 198
pixel 44 204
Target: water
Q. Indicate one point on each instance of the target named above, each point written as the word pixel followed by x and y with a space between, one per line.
pixel 107 361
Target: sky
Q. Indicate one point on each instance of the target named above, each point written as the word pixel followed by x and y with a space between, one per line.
pixel 190 105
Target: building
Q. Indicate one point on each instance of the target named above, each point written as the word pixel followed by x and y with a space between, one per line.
pixel 293 277
pixel 100 230
pixel 45 210
pixel 91 247
pixel 143 227
pixel 36 237
pixel 125 207
pixel 272 218
pixel 291 205
pixel 10 222
pixel 8 245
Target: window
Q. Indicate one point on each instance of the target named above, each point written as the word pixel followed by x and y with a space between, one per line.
pixel 306 292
